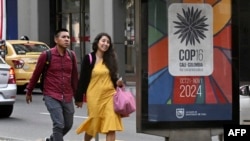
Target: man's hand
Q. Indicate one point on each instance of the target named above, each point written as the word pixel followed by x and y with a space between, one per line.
pixel 78 104
pixel 28 98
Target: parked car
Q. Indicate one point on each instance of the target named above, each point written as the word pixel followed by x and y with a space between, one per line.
pixel 8 89
pixel 22 55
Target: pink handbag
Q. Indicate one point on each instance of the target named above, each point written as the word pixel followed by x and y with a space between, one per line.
pixel 124 102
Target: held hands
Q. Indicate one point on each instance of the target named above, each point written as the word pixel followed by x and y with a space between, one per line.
pixel 119 83
pixel 78 104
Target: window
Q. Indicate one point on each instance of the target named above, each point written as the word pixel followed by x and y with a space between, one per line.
pixel 27 48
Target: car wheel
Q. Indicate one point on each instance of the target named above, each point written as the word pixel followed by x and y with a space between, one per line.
pixel 6 110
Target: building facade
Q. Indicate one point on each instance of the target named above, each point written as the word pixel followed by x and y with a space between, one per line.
pixel 83 18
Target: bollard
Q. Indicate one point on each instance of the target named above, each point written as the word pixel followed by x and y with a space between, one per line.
pixel 97 137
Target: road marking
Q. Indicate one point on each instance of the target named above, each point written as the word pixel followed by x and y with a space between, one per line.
pixel 105 140
pixel 82 117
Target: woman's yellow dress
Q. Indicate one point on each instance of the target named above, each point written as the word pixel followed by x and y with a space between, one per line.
pixel 101 115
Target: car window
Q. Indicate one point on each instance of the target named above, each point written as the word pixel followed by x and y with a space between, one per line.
pixel 27 48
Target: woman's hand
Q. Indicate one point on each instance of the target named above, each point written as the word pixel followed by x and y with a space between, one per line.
pixel 119 82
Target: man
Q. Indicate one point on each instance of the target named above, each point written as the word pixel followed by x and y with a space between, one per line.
pixel 60 84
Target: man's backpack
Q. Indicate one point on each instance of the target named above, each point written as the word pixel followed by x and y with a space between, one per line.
pixel 47 63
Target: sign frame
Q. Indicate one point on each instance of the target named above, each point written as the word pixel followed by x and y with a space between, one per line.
pixel 143 81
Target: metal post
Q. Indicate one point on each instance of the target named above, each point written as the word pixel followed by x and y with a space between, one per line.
pixel 97 137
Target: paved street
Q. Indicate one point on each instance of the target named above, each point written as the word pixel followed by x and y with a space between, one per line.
pixel 130 123
pixel 31 122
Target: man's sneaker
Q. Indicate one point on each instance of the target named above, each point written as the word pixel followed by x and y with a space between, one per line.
pixel 47 139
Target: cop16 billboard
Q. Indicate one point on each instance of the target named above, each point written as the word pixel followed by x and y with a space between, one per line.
pixel 189 63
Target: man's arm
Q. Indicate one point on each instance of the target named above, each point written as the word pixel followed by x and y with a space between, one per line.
pixel 36 73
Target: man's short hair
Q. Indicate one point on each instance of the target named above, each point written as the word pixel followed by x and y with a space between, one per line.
pixel 59 31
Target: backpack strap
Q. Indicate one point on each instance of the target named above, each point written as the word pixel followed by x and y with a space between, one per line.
pixel 48 57
pixel 45 68
pixel 70 54
pixel 90 58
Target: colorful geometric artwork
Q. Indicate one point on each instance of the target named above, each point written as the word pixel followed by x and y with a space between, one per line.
pixel 165 89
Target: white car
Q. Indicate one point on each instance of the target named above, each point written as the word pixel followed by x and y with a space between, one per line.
pixel 8 89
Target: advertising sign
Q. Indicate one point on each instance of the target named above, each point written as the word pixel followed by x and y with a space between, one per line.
pixel 189 67
pixel 190 29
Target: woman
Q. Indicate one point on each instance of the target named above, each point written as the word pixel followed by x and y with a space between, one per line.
pixel 98 80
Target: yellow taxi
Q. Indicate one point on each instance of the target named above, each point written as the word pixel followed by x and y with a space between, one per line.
pixel 22 55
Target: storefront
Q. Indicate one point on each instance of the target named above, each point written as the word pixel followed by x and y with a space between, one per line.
pixel 39 19
pixel 85 18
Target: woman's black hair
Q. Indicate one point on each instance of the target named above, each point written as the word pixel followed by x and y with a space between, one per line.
pixel 109 57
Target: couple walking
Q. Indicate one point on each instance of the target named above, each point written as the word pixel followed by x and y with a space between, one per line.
pixel 62 89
